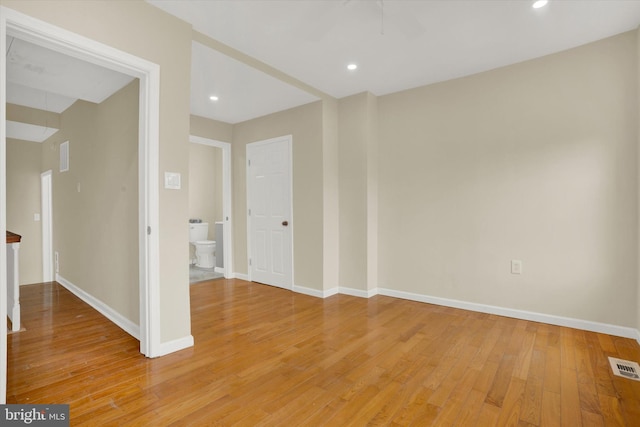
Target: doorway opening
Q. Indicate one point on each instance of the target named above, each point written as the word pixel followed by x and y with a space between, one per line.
pixel 224 243
pixel 38 32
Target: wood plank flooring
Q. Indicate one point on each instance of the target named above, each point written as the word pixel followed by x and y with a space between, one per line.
pixel 264 356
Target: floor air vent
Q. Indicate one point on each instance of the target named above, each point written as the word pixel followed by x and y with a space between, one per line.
pixel 624 368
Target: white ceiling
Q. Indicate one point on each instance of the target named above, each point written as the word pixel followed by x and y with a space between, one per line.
pixel 46 80
pixel 28 132
pixel 398 44
pixel 244 93
pixel 39 68
pixel 37 98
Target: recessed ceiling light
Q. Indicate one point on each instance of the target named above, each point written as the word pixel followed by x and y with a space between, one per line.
pixel 540 3
pixel 352 67
pixel 213 98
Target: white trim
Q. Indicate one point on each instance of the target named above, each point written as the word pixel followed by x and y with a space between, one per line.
pixel 64 157
pixel 587 325
pixel 13 285
pixel 46 193
pixel 175 345
pixel 289 141
pixel 52 37
pixel 240 276
pixel 149 212
pixel 125 324
pixel 331 292
pixel 357 292
pixel 3 208
pixel 227 207
pixel 122 322
pixel 315 292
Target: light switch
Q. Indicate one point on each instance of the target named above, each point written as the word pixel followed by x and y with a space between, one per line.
pixel 36 217
pixel 172 180
pixel 516 266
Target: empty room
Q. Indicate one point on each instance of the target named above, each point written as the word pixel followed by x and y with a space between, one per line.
pixel 318 212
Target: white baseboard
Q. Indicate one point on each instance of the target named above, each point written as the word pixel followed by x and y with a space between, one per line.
pixel 334 291
pixel 315 292
pixel 240 276
pixel 587 325
pixel 175 345
pixel 125 324
pixel 358 292
pixel 219 270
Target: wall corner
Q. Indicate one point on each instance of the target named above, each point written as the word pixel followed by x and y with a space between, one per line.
pixel 330 196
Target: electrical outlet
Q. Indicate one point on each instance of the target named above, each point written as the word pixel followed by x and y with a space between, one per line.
pixel 516 266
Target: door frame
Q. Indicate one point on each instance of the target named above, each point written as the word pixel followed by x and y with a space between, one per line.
pixel 227 242
pixel 47 225
pixel 50 36
pixel 249 146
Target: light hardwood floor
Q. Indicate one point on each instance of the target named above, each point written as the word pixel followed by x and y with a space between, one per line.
pixel 266 356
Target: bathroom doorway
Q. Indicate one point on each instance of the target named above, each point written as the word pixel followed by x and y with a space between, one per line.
pixel 210 202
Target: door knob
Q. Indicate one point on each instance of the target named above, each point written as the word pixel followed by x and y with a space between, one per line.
pixel 285 223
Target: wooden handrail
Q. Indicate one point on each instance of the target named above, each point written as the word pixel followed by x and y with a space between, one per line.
pixel 13 237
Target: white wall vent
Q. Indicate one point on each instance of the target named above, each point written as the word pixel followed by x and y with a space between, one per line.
pixel 64 156
pixel 625 368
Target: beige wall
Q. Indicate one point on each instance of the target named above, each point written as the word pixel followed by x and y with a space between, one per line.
pixel 212 129
pixel 330 196
pixel 23 201
pixel 205 185
pixel 537 162
pixel 358 160
pixel 305 125
pixel 638 142
pixel 18 113
pixel 149 33
pixel 95 203
pixel 354 138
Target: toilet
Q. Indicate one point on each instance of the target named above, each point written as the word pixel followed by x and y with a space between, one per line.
pixel 205 249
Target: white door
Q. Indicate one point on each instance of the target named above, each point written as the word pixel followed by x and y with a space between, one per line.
pixel 270 222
